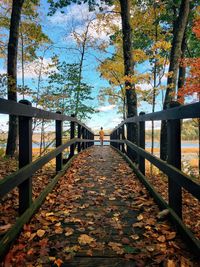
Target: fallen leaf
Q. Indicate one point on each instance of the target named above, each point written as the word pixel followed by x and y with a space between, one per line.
pixel 170 263
pixel 40 232
pixel 58 230
pixel 72 249
pixel 161 238
pixel 170 235
pixel 138 224
pixel 135 237
pixel 85 239
pixel 150 248
pixel 112 198
pixel 30 251
pixel 186 262
pixel 89 252
pixel 117 247
pixel 140 217
pixel 4 228
pixel 68 231
pixel 32 236
pixel 58 262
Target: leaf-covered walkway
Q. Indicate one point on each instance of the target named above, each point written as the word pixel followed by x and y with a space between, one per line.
pixel 99 214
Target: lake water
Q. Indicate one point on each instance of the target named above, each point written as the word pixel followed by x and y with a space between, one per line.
pixel 157 144
pixel 184 144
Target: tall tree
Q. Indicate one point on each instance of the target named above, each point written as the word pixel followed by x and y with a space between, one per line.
pixel 178 33
pixel 61 93
pixel 131 97
pixel 12 71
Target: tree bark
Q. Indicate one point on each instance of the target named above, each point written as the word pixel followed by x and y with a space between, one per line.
pixel 131 97
pixel 182 68
pixel 12 72
pixel 175 55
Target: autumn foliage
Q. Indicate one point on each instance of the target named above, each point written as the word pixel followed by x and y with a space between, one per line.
pixel 192 83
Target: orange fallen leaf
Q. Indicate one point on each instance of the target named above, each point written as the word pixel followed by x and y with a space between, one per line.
pixel 58 262
pixel 161 238
pixel 30 251
pixel 58 230
pixel 170 263
pixel 89 252
pixel 40 232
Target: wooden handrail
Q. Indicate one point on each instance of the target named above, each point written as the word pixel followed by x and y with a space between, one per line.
pixel 135 152
pixel 183 112
pixel 13 108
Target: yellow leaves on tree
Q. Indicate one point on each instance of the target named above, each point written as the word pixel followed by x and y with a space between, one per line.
pixel 162 45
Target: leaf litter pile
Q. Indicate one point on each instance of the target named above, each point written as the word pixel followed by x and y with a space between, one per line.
pixel 99 214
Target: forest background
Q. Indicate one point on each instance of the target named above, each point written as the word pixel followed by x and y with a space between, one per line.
pixel 70 58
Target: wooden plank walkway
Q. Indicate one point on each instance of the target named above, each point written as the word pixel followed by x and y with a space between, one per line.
pixel 99 214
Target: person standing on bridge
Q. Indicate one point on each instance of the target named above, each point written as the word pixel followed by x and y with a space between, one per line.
pixel 101 136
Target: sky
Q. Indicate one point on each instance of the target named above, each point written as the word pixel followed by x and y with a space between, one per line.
pixel 58 28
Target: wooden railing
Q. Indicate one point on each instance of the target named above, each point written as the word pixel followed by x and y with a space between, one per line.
pixel 22 177
pixel 172 168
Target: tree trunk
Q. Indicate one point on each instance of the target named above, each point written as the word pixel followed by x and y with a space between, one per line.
pixel 179 29
pixel 182 69
pixel 131 97
pixel 12 72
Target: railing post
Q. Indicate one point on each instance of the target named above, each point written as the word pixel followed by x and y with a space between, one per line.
pixel 142 144
pixel 87 144
pixel 83 137
pixel 132 136
pixel 117 138
pixel 123 138
pixel 58 143
pixel 114 137
pixel 79 136
pixel 72 135
pixel 25 157
pixel 174 158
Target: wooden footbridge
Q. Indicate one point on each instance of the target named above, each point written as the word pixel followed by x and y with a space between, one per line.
pixel 97 210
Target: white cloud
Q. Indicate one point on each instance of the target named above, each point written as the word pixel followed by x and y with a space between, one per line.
pixel 116 121
pixel 73 14
pixel 32 69
pixel 77 17
pixel 106 108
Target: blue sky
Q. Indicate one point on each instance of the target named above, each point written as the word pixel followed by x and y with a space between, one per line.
pixel 58 28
